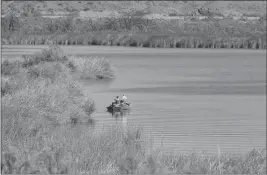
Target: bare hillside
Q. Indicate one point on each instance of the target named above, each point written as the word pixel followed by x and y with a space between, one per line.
pixel 254 8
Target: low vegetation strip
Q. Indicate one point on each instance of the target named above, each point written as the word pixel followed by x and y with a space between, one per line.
pixel 43 103
pixel 142 40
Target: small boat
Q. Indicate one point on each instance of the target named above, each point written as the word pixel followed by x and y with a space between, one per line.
pixel 119 107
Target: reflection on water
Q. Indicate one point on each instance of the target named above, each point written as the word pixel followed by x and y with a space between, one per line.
pixel 117 115
pixel 90 122
pixel 121 117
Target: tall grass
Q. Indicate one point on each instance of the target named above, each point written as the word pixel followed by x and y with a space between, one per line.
pixel 140 33
pixel 73 150
pixel 150 40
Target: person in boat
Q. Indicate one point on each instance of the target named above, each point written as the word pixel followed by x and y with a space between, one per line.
pixel 116 100
pixel 124 99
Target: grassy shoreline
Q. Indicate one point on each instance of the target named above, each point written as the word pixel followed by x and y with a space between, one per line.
pixel 146 41
pixel 43 102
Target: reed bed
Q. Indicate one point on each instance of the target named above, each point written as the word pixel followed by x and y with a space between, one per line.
pixel 163 41
pixel 188 33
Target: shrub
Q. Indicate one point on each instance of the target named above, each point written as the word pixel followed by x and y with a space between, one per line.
pixel 173 14
pixel 102 68
pixel 96 68
pixel 9 68
pixel 71 150
pixel 5 86
pixel 19 115
pixel 14 161
pixel 38 104
pixel 88 106
pixel 11 84
pixel 52 54
pixel 49 71
pixel 133 43
pixel 71 66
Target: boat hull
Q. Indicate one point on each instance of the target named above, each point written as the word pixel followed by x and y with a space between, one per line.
pixel 118 108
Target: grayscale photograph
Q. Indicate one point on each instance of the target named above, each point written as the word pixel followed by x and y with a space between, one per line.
pixel 133 87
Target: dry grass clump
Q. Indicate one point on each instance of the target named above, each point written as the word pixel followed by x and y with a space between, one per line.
pixel 88 106
pixel 88 68
pixel 50 71
pixel 9 68
pixel 40 104
pixel 52 54
pixel 6 87
pixel 51 64
pixel 71 150
pixel 45 161
pixel 97 152
pixel 20 117
pixel 13 82
pixel 252 162
pixel 31 114
pixel 93 68
pixel 38 99
pixel 41 95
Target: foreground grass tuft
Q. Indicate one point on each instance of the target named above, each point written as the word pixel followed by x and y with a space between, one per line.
pixel 114 150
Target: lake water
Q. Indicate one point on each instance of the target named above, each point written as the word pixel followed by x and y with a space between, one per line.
pixel 186 98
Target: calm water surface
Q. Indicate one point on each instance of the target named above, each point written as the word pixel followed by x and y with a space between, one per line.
pixel 187 99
